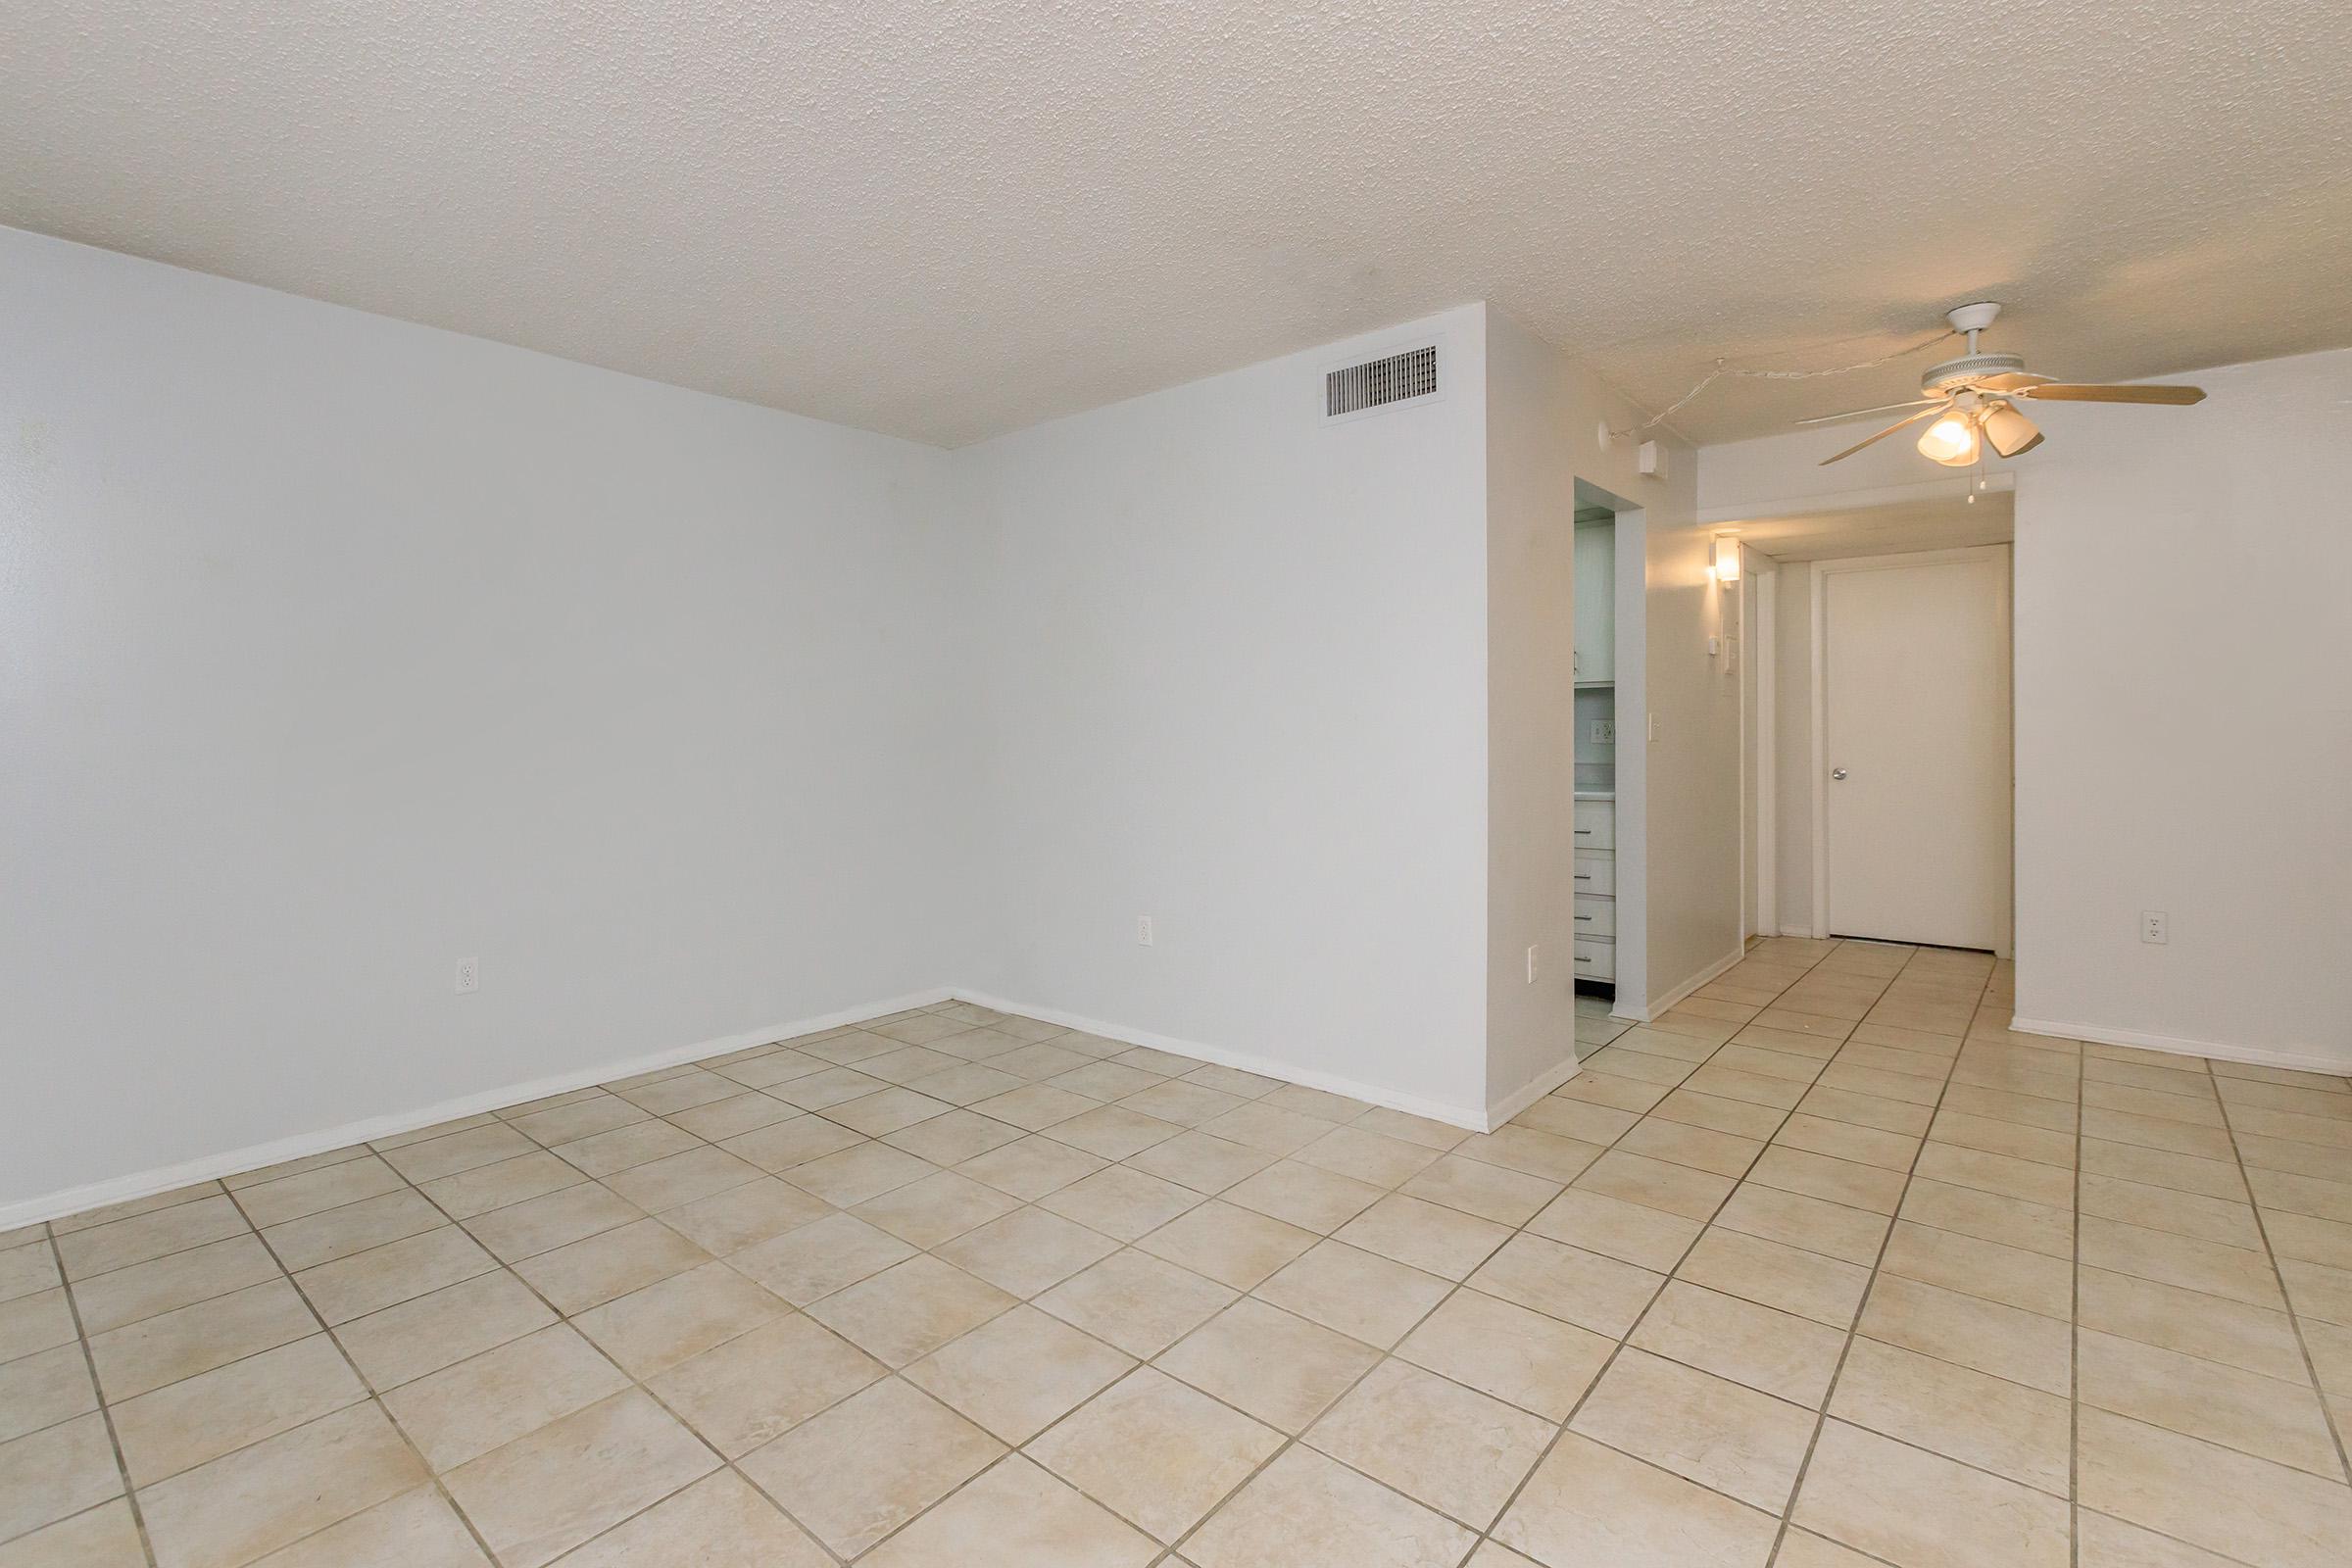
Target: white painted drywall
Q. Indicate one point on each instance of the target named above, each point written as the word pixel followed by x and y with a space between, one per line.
pixel 340 649
pixel 1542 414
pixel 2173 569
pixel 1236 668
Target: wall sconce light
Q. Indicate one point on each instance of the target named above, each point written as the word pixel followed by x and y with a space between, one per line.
pixel 1727 557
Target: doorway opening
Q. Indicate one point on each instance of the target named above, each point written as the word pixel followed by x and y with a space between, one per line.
pixel 1606 808
pixel 1877 725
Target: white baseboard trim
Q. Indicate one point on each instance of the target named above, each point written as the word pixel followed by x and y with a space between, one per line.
pixel 1660 1003
pixel 1263 1066
pixel 1518 1100
pixel 1804 931
pixel 237 1161
pixel 2251 1056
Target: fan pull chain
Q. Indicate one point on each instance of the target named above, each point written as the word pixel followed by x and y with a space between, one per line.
pixel 1721 371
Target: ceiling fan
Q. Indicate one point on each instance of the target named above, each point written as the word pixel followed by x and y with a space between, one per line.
pixel 1973 400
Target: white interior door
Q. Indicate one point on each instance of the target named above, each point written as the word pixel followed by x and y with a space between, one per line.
pixel 1915 748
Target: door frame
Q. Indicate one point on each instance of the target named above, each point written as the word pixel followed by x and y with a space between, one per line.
pixel 1822 571
pixel 1760 770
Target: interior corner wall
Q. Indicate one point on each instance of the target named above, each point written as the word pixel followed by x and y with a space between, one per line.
pixel 2171 578
pixel 2184 731
pixel 1542 413
pixel 341 649
pixel 1235 682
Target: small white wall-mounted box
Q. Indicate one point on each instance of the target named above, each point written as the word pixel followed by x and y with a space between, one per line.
pixel 1651 460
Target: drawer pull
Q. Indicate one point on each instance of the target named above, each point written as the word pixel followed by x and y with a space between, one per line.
pixel 1584 832
pixel 1588 919
pixel 1583 877
pixel 1583 961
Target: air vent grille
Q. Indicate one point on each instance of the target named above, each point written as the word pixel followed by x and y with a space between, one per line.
pixel 1361 388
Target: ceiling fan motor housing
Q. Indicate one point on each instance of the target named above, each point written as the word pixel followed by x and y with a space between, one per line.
pixel 1953 374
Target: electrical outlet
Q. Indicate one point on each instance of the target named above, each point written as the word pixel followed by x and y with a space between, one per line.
pixel 1604 732
pixel 2153 926
pixel 1143 930
pixel 1530 966
pixel 469 976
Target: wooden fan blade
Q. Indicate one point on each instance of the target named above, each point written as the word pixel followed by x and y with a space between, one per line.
pixel 2013 381
pixel 1925 414
pixel 2062 392
pixel 1857 413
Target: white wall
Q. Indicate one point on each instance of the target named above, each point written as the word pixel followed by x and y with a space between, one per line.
pixel 1236 671
pixel 2174 570
pixel 339 648
pixel 1542 410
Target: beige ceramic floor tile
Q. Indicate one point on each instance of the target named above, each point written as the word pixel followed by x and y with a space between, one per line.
pixel 1632 1232
pixel 909 1310
pixel 1269 1364
pixel 1304 1196
pixel 181 1426
pixel 1427 1236
pixel 2188 1261
pixel 293 1197
pixel 149 1353
pixel 104 1536
pixel 542 1224
pixel 125 1242
pixel 871 1463
pixel 1016 1516
pixel 1156 1450
pixel 542 1494
pixel 415 1530
pixel 1490 1191
pixel 1587 1503
pixel 783 1145
pixel 1368 1156
pixel 1140 1304
pixel 741 1217
pixel 1565 1282
pixel 353 1227
pixel 758 1386
pixel 385 1276
pixel 1027 1250
pixel 1971 1416
pixel 1445 1446
pixel 664 1183
pixel 1704 1428
pixel 258 1500
pixel 1498 1348
pixel 404 1343
pixel 1776 1351
pixel 1202 1162
pixel 165 1284
pixel 464 1411
pixel 2010 1275
pixel 53 1473
pixel 1305 1511
pixel 1920 1510
pixel 719 1522
pixel 1120 1201
pixel 41 1321
pixel 586 1274
pixel 1969 1331
pixel 1018 1373
pixel 1811 1284
pixel 1232 1246
pixel 43 1389
pixel 2246 1509
pixel 1032 1166
pixel 1360 1294
pixel 807 1264
pixel 937 1208
pixel 2247 1411
pixel 653 1329
pixel 854 1175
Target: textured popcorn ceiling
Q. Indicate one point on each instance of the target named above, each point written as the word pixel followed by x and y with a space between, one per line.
pixel 952 218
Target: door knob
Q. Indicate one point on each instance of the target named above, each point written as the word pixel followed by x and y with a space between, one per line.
pixel 1836 772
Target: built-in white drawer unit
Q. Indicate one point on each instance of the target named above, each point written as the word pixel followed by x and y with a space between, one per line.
pixel 1595 916
pixel 1596 825
pixel 1596 958
pixel 1595 873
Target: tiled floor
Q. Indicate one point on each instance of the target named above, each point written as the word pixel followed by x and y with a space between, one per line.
pixel 1823 1269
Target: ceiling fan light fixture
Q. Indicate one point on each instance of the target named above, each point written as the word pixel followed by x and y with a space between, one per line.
pixel 2009 432
pixel 1951 440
